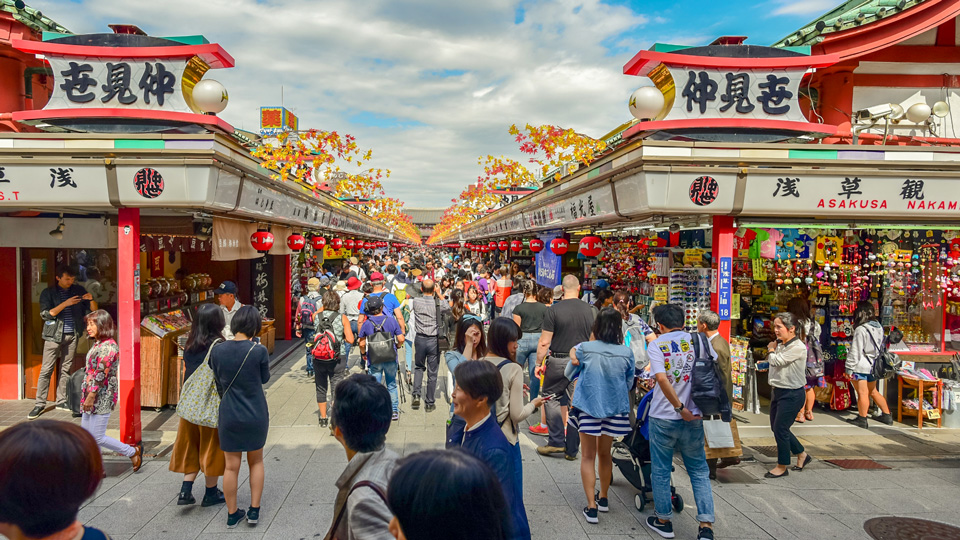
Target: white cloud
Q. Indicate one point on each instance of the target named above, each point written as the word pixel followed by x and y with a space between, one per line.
pixel 384 58
pixel 806 7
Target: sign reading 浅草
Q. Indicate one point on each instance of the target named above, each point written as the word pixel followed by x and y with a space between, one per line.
pixel 784 194
pixel 117 83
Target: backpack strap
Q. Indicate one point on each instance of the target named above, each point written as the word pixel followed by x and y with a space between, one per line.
pixel 363 483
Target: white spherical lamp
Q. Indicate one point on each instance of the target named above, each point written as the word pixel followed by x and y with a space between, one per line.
pixel 918 113
pixel 210 96
pixel 646 103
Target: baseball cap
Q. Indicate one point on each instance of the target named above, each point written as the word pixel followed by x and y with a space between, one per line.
pixel 374 303
pixel 558 292
pixel 324 281
pixel 600 284
pixel 376 276
pixel 227 287
pixel 353 284
pixel 313 282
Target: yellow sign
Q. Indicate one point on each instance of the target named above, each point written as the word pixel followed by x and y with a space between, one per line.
pixel 735 306
pixel 330 253
pixel 660 293
pixel 825 289
pixel 933 414
pixel 693 256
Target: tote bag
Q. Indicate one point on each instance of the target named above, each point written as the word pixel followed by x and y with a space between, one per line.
pixel 718 434
pixel 199 402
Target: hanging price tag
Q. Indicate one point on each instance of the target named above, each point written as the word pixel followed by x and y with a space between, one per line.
pixel 660 293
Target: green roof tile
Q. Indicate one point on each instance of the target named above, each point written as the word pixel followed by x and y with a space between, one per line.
pixel 32 18
pixel 849 14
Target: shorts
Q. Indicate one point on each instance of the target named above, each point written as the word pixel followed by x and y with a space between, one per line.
pixel 864 377
pixel 612 426
pixel 815 382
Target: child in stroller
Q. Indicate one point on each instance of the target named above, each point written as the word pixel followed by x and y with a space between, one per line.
pixel 632 456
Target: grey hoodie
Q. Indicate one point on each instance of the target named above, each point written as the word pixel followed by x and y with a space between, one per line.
pixel 863 351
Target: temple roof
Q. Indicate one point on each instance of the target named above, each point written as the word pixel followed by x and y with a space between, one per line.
pixel 848 15
pixel 32 18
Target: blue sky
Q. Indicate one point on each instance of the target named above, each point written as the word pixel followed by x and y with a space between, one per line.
pixel 430 85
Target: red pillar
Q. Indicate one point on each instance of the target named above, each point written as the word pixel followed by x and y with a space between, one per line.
pixel 9 337
pixel 287 312
pixel 723 231
pixel 128 323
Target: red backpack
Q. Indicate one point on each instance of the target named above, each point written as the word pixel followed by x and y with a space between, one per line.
pixel 326 346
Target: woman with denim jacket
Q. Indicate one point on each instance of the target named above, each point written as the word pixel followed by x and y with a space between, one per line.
pixel 601 404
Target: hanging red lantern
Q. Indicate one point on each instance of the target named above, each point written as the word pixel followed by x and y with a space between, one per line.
pixel 335 243
pixel 486 249
pixel 536 245
pixel 516 246
pixel 590 246
pixel 492 244
pixel 319 242
pixel 262 240
pixel 296 242
pixel 369 245
pixel 559 246
pixel 349 243
pixel 503 245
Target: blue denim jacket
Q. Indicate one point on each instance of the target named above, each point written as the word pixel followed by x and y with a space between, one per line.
pixel 606 376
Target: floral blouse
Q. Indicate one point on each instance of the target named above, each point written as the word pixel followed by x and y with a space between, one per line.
pixel 102 363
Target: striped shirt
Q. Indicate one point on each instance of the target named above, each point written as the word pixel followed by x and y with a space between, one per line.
pixel 68 324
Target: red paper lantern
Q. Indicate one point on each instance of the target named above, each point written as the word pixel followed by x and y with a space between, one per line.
pixel 369 245
pixel 296 242
pixel 349 243
pixel 486 249
pixel 492 244
pixel 590 246
pixel 536 245
pixel 503 245
pixel 262 241
pixel 516 245
pixel 336 243
pixel 559 246
pixel 319 242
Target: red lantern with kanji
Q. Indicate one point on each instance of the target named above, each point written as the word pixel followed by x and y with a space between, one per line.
pixel 559 246
pixel 296 242
pixel 590 246
pixel 319 242
pixel 536 245
pixel 349 243
pixel 486 249
pixel 516 245
pixel 336 243
pixel 369 245
pixel 262 241
pixel 503 245
pixel 492 245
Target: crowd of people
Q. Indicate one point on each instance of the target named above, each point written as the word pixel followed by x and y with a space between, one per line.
pixel 512 348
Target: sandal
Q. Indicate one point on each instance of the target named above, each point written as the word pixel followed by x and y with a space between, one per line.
pixel 809 415
pixel 799 419
pixel 806 462
pixel 137 458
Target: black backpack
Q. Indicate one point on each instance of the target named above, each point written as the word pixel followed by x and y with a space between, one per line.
pixel 381 346
pixel 706 381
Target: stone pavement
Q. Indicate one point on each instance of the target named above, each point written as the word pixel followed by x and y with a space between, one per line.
pixel 303 462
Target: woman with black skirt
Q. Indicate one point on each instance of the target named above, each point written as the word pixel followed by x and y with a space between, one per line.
pixel 242 367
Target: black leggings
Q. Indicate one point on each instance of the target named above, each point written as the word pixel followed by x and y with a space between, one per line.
pixel 326 375
pixel 783 413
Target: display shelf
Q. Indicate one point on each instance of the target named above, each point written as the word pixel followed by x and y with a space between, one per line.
pixel 921 387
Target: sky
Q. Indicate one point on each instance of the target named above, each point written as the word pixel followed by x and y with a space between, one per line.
pixel 431 85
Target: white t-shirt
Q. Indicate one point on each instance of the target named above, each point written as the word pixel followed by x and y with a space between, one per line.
pixel 672 354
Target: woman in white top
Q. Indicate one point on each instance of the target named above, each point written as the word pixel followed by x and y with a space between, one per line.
pixel 788 363
pixel 502 339
pixel 864 351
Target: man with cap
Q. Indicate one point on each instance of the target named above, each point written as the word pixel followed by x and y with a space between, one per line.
pixel 376 320
pixel 591 296
pixel 391 306
pixel 356 269
pixel 307 309
pixel 226 295
pixel 350 310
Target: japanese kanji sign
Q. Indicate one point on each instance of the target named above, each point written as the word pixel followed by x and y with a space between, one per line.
pixel 262 286
pixel 724 287
pixel 586 207
pixel 730 93
pixel 123 83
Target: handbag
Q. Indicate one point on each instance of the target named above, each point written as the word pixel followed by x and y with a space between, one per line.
pixel 840 400
pixel 443 327
pixel 199 400
pixel 718 434
pixel 735 451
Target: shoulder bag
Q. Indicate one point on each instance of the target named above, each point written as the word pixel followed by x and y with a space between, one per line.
pixel 363 483
pixel 199 402
pixel 886 363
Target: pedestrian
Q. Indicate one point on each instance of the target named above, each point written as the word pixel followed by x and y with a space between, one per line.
pixel 590 297
pixel 429 491
pixel 676 423
pixel 99 388
pixel 197 448
pixel 226 296
pixel 474 303
pixel 565 324
pixel 62 310
pixel 529 316
pixel 350 311
pixel 391 305
pixel 48 469
pixel 340 288
pixel 356 269
pixel 809 330
pixel 241 367
pixel 360 420
pixel 517 295
pixel 605 370
pixel 864 351
pixel 378 339
pixel 603 299
pixel 329 372
pixel 502 289
pixel 469 343
pixel 457 304
pixel 708 324
pixel 479 386
pixel 787 361
pixel 428 310
pixel 307 309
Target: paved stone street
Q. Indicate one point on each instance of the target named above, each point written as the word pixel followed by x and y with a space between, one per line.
pixel 303 462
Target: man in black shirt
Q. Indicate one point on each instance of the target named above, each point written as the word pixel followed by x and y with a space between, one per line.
pixel 566 323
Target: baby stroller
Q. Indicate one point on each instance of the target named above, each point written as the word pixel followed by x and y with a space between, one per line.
pixel 632 456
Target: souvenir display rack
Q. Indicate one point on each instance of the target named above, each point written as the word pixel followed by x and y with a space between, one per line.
pixel 160 357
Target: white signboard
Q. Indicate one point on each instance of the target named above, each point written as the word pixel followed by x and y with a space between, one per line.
pixel 736 93
pixel 123 83
pixel 880 197
pixel 68 183
pixel 588 207
pixel 267 203
pixel 695 192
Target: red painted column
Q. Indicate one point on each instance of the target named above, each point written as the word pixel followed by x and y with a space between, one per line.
pixel 128 323
pixel 723 231
pixel 9 337
pixel 287 312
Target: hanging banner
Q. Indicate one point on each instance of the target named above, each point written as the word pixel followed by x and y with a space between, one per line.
pixel 262 285
pixel 548 264
pixel 231 240
pixel 725 288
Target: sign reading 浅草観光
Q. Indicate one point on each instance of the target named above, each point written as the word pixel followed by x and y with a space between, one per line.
pixel 850 195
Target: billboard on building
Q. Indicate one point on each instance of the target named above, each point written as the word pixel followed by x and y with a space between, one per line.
pixel 274 120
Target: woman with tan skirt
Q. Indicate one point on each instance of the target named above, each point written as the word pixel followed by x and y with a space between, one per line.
pixel 198 447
